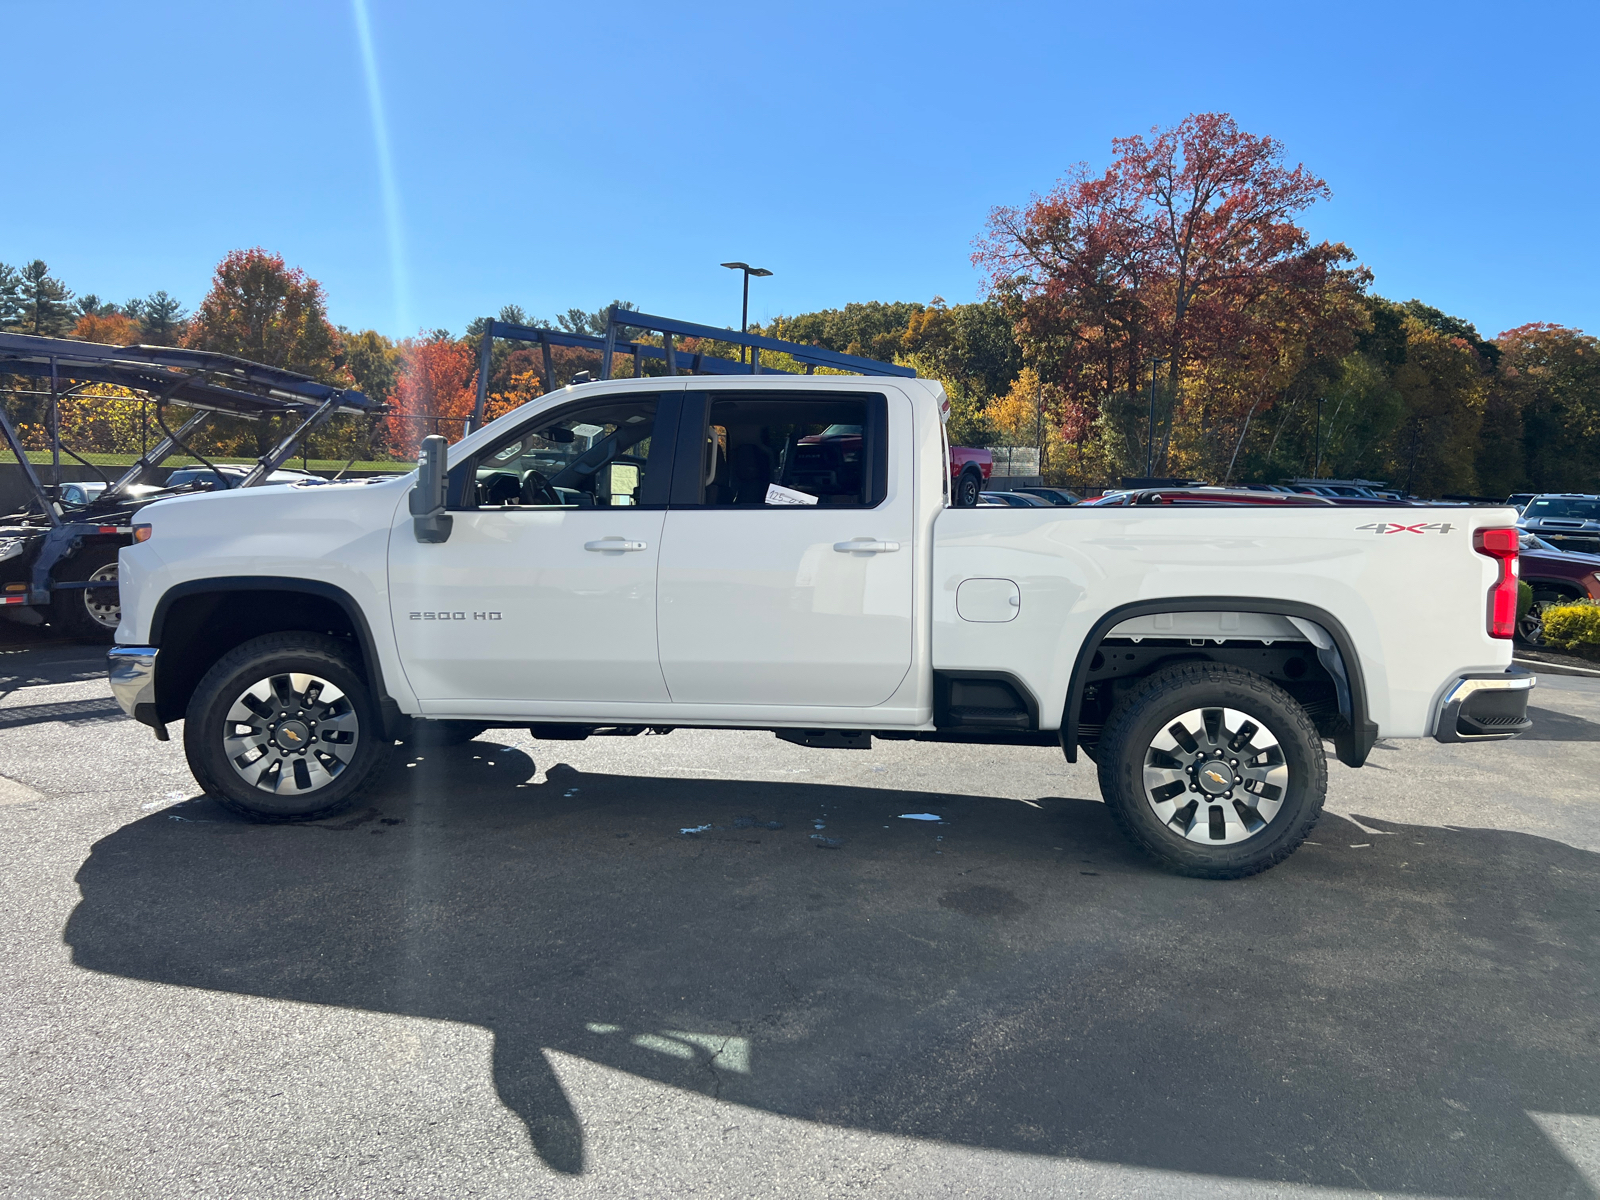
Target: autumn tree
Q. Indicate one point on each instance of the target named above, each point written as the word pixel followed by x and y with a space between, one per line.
pixel 262 310
pixel 1443 388
pixel 113 328
pixel 1545 404
pixel 1184 251
pixel 433 392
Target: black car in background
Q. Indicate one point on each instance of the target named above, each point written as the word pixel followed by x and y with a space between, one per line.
pixel 1050 495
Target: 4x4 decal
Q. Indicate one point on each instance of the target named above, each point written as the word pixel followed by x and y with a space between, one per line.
pixel 1391 527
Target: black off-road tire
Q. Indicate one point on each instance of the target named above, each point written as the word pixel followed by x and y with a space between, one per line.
pixel 968 486
pixel 274 655
pixel 70 607
pixel 1142 715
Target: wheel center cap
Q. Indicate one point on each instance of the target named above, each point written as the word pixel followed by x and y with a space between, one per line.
pixel 1215 777
pixel 293 735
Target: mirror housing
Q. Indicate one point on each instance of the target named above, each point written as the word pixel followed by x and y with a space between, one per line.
pixel 429 520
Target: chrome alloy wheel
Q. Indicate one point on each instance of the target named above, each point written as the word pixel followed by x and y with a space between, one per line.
pixel 290 734
pixel 104 604
pixel 1216 776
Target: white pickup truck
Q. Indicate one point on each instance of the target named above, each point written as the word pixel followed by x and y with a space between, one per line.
pixel 781 553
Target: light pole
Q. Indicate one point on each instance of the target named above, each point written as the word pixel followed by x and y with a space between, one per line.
pixel 744 312
pixel 1316 471
pixel 1150 438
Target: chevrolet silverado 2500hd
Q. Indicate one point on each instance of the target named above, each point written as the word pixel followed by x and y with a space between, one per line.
pixel 689 551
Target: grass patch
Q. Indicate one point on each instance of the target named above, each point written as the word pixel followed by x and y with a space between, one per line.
pixel 42 458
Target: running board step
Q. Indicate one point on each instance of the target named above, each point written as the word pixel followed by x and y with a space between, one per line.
pixel 828 739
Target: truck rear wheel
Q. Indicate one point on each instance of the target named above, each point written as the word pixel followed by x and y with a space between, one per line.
pixel 92 613
pixel 1212 771
pixel 967 489
pixel 284 728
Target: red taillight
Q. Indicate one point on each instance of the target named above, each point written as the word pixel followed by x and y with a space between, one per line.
pixel 1501 545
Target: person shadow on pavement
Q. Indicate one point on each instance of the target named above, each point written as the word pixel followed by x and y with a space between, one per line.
pixel 1388 1006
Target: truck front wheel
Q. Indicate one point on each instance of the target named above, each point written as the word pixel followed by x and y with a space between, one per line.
pixel 1212 771
pixel 284 728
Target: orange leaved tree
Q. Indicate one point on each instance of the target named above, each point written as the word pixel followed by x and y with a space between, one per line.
pixel 111 329
pixel 433 392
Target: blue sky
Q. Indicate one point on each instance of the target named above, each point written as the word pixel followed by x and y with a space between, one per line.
pixel 551 155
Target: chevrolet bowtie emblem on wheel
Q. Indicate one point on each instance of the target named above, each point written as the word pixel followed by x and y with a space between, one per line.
pixel 1214 775
pixel 289 735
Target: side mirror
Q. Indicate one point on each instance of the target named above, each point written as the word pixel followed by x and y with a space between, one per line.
pixel 429 521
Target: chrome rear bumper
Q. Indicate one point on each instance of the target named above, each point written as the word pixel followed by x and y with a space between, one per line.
pixel 1485 707
pixel 133 683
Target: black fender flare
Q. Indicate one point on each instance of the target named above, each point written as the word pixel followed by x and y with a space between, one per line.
pixel 1352 746
pixel 393 718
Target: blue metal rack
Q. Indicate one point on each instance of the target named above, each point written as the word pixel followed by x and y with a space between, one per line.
pixel 613 343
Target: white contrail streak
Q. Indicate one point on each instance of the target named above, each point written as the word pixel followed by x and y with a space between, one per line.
pixel 391 190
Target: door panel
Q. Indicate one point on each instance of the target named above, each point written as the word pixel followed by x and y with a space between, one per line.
pixel 513 607
pixel 757 607
pixel 788 558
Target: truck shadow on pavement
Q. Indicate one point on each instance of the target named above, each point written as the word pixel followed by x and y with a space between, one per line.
pixel 1551 726
pixel 1385 1010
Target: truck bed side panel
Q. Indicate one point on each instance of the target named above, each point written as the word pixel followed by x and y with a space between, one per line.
pixel 1413 602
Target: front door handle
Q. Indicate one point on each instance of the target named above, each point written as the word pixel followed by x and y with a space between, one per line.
pixel 615 545
pixel 866 546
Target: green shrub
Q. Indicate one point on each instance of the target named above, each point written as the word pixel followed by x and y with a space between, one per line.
pixel 1573 627
pixel 1524 599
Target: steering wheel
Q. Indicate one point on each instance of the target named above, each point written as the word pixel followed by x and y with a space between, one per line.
pixel 536 489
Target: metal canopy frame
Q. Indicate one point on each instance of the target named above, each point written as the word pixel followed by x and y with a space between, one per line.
pixel 694 363
pixel 201 380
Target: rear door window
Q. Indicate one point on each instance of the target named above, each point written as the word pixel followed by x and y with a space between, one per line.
pixel 823 451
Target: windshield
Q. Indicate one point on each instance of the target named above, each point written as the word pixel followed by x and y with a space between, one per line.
pixel 1579 509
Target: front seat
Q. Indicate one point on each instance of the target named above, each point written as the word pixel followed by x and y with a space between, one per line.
pixel 752 473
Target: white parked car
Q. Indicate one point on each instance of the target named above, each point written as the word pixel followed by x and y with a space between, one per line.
pixel 695 552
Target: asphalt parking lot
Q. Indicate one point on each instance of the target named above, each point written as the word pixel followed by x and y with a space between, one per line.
pixel 513 974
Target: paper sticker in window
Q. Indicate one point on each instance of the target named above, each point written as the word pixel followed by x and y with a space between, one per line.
pixel 778 494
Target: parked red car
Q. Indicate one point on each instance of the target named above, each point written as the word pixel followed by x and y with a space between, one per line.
pixel 1557 575
pixel 970 469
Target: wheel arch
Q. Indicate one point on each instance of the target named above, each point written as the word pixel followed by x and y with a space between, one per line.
pixel 1352 745
pixel 255 605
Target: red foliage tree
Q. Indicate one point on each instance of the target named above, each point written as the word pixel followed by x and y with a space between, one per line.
pixel 434 392
pixel 1185 249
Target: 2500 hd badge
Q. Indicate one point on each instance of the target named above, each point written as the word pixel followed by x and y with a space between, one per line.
pixel 454 616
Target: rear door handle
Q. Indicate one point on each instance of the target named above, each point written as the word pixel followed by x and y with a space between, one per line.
pixel 866 546
pixel 615 545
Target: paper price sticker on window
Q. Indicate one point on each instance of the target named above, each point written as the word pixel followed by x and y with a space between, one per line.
pixel 777 494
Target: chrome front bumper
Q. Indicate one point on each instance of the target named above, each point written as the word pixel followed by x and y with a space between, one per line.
pixel 133 683
pixel 1485 707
